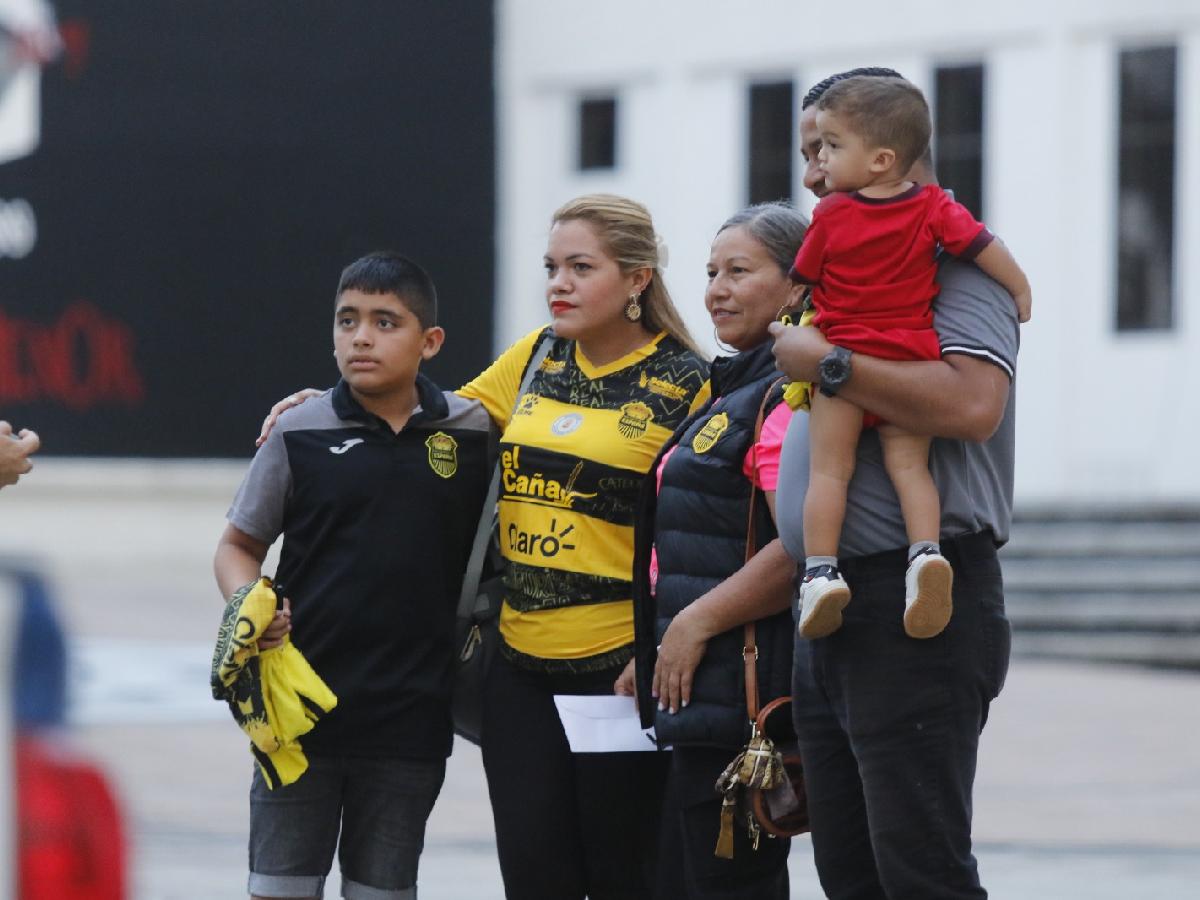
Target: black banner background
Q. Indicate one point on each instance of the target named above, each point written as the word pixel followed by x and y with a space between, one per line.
pixel 205 171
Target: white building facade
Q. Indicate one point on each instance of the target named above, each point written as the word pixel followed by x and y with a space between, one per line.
pixel 1085 150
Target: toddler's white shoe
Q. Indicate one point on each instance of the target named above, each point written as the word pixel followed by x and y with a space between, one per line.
pixel 928 601
pixel 823 596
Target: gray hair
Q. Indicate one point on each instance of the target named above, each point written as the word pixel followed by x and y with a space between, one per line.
pixel 778 226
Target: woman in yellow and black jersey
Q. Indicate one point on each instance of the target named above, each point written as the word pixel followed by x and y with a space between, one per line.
pixel 621 373
pixel 571 459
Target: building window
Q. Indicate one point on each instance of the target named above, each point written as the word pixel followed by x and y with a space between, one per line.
pixel 1146 189
pixel 958 133
pixel 597 133
pixel 772 124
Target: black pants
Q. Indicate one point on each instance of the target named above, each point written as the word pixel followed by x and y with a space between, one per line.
pixel 889 730
pixel 567 825
pixel 691 823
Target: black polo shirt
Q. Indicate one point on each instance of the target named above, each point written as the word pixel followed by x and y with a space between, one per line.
pixel 377 528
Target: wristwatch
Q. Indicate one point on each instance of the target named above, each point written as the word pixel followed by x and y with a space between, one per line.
pixel 834 369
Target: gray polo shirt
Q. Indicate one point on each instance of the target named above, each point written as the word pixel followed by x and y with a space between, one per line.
pixel 974 316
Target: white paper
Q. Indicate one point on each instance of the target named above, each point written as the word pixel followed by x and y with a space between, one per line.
pixel 603 724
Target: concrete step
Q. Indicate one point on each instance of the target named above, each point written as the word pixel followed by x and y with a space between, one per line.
pixel 1104 574
pixel 1103 612
pixel 1106 585
pixel 1074 539
pixel 1165 650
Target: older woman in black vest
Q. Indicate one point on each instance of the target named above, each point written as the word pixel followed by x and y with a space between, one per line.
pixel 694 589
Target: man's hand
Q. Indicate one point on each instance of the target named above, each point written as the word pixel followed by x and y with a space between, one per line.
pixel 15 451
pixel 798 350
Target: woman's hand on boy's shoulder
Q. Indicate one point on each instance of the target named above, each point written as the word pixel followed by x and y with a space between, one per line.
pixel 280 408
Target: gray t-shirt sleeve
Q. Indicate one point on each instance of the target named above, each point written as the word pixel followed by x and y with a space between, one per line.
pixel 259 505
pixel 974 316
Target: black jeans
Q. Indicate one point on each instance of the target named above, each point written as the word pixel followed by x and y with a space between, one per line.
pixel 889 730
pixel 568 825
pixel 691 823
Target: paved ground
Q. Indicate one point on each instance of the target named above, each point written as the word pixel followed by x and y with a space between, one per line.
pixel 1070 803
pixel 1088 787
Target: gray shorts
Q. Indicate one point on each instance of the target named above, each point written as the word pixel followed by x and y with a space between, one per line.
pixel 380 807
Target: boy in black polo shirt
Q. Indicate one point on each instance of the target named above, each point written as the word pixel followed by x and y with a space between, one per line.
pixel 376 487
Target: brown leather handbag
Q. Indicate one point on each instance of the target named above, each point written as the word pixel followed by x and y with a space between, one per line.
pixel 781 811
pixel 767 776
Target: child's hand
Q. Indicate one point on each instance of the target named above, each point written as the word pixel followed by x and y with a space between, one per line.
pixel 274 633
pixel 1024 301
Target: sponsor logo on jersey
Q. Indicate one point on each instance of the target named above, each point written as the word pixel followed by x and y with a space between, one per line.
pixel 634 419
pixel 537 488
pixel 662 388
pixel 525 407
pixel 566 424
pixel 708 436
pixel 546 545
pixel 345 445
pixel 553 366
pixel 443 453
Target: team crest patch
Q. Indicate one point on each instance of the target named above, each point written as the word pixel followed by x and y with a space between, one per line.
pixel 634 419
pixel 708 436
pixel 443 454
pixel 566 424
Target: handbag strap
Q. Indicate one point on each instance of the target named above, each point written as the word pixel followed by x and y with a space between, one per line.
pixel 483 531
pixel 750 645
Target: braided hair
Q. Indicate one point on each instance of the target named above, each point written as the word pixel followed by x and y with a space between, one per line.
pixel 815 92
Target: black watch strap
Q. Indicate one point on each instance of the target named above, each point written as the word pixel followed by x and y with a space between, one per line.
pixel 834 370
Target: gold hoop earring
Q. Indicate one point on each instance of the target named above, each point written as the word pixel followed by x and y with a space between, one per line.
pixel 790 315
pixel 633 309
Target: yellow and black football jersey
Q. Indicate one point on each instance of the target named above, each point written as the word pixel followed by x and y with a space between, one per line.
pixel 572 458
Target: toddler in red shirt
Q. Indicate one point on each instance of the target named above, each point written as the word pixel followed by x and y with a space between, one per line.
pixel 870 256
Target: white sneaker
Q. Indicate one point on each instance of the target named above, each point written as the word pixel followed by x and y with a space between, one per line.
pixel 928 601
pixel 823 596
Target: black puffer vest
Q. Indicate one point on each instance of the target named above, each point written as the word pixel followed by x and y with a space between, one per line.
pixel 698 523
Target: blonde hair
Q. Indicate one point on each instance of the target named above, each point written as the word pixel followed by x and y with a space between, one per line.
pixel 625 228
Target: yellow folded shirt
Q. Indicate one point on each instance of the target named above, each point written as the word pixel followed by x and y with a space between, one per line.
pixel 275 696
pixel 295 698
